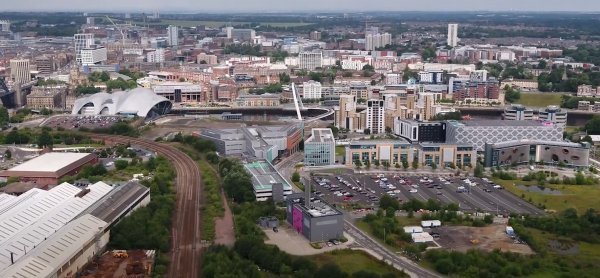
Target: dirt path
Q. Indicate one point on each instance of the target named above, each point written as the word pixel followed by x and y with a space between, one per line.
pixel 224 230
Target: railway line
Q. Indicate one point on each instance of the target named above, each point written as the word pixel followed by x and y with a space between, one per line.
pixel 185 229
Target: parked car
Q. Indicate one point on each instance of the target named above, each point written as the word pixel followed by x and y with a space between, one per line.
pixel 413 191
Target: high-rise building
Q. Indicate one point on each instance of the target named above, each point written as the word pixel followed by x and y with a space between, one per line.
pixel 156 56
pixel 93 55
pixel 19 71
pixel 375 116
pixel 315 35
pixel 245 35
pixel 82 41
pixel 45 64
pixel 90 20
pixel 345 114
pixel 377 40
pixel 310 60
pixel 173 35
pixel 4 25
pixel 311 90
pixel 319 149
pixel 453 35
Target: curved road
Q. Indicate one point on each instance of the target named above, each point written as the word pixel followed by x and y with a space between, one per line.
pixel 185 231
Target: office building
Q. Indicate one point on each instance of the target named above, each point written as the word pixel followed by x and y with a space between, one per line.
pixel 267 182
pixel 315 35
pixel 452 35
pixel 19 71
pixel 173 35
pixel 554 114
pixel 517 112
pixel 316 220
pixel 178 92
pixel 319 148
pixel 45 97
pixel 93 55
pixel 311 90
pixel 310 60
pixel 250 100
pixel 375 116
pixel 480 132
pixel 44 64
pixel 396 151
pixel 263 142
pixel 537 150
pixel 82 41
pixel 420 131
pixel 49 168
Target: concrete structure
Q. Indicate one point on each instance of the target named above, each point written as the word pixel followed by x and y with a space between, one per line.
pixel 173 35
pixel 419 131
pixel 178 92
pixel 517 112
pixel 554 114
pixel 452 35
pixel 46 97
pixel 82 41
pixel 311 90
pixel 267 182
pixel 50 167
pixel 478 133
pixel 263 142
pixel 310 60
pixel 375 116
pixel 396 151
pixel 93 55
pixel 20 72
pixel 314 219
pixel 319 149
pixel 522 152
pixel 142 102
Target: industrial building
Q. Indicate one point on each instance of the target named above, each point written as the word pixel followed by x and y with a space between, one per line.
pixel 267 182
pixel 570 154
pixel 263 142
pixel 319 149
pixel 314 218
pixel 478 133
pixel 49 168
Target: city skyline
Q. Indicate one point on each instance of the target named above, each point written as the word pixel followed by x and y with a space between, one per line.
pixel 190 6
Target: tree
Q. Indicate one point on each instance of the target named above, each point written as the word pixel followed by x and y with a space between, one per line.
pixel 593 125
pixel 386 165
pixel 388 130
pixel 405 164
pixel 368 164
pixel 376 163
pixel 7 154
pixel 478 172
pixel 358 164
pixel 415 164
pixel 367 131
pixel 433 166
pixel 511 95
pixel 4 118
pixel 104 76
pixel 121 164
pixel 334 130
pixel 44 140
pixel 330 270
pixel 397 166
pixel 296 177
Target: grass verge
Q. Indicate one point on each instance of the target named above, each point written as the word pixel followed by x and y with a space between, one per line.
pixel 539 99
pixel 213 207
pixel 351 261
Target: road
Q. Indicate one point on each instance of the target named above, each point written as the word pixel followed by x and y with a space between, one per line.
pixel 185 231
pixel 364 240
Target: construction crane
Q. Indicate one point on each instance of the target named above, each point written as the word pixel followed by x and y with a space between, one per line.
pixel 118 29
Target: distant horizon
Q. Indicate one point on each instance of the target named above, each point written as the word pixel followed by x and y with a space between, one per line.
pixel 175 12
pixel 305 6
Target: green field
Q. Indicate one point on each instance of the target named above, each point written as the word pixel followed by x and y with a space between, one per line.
pixel 580 197
pixel 540 99
pixel 340 151
pixel 351 261
pixel 217 24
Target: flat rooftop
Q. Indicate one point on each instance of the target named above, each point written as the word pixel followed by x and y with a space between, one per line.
pixel 321 135
pixel 49 162
pixel 264 176
pixel 317 207
pixel 501 123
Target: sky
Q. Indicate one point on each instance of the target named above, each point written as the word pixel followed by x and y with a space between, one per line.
pixel 207 6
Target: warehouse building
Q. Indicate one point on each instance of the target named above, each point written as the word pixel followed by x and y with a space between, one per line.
pixel 518 152
pixel 314 218
pixel 267 182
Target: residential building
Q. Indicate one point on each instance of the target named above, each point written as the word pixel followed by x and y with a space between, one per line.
pixel 319 148
pixel 476 91
pixel 537 150
pixel 431 77
pixel 523 84
pixel 45 97
pixel 452 35
pixel 587 91
pixel 250 100
pixel 584 105
pixel 310 60
pixel 375 116
pixel 480 132
pixel 93 55
pixel 517 112
pixel 208 59
pixel 311 90
pixel 315 35
pixel 45 64
pixel 393 79
pixel 243 35
pixel 316 220
pixel 82 41
pixel 156 56
pixel 20 72
pixel 90 20
pixel 554 114
pixel 172 35
pixel 374 39
pixel 345 114
pixel 420 131
pixel 4 25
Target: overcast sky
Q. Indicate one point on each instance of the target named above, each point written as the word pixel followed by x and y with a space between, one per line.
pixel 199 6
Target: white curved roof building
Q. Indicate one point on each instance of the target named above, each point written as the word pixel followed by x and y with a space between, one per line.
pixel 142 102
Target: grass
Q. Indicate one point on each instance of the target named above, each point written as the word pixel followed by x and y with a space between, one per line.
pixel 580 197
pixel 340 151
pixel 540 99
pixel 351 261
pixel 217 24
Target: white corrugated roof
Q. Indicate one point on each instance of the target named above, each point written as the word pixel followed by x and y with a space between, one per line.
pixel 51 255
pixel 21 200
pixel 5 198
pixel 595 138
pixel 49 162
pixel 53 220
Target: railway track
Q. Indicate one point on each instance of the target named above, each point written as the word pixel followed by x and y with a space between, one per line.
pixel 185 228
